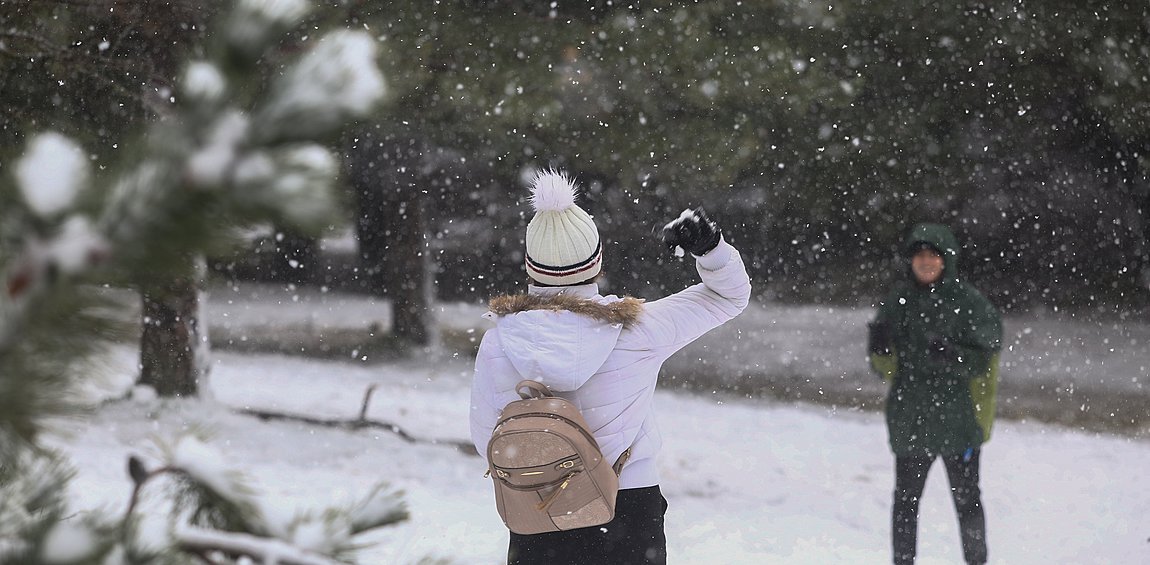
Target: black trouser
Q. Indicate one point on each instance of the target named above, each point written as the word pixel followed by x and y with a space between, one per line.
pixel 910 478
pixel 634 537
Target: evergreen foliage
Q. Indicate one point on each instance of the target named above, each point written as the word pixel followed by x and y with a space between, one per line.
pixel 817 132
pixel 233 150
pixel 92 68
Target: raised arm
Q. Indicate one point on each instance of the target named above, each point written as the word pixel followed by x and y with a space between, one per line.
pixel 724 292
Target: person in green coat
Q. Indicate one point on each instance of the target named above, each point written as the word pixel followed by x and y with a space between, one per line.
pixel 936 339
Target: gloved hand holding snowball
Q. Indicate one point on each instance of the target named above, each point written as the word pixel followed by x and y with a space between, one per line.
pixel 692 232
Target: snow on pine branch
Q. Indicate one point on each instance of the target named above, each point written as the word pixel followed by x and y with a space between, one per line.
pixel 327 531
pixel 71 541
pixel 216 165
pixel 52 172
pixel 335 81
pixel 203 82
pixel 261 550
pixel 330 531
pixel 207 466
pixel 381 507
pixel 297 180
pixel 77 246
pixel 256 22
pixel 245 171
pixel 32 507
pixel 212 162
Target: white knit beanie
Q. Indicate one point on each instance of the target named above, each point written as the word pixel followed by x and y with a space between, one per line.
pixel 563 246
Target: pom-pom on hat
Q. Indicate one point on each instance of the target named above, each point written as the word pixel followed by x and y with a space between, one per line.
pixel 563 246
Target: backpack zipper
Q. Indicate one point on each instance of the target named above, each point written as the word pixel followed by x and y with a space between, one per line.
pixel 554 495
pixel 570 422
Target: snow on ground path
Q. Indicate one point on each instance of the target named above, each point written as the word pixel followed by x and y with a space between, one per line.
pixel 807 485
pixel 747 483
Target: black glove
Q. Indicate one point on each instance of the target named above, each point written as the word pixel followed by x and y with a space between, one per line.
pixel 693 231
pixel 880 338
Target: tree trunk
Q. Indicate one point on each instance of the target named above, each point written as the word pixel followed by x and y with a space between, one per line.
pixel 408 258
pixel 391 229
pixel 173 347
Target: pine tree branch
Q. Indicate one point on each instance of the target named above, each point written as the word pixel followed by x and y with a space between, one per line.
pixel 101 68
pixel 73 3
pixel 139 479
pixel 201 542
pixel 179 184
pixel 44 44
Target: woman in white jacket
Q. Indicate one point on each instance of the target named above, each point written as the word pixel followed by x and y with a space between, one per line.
pixel 603 353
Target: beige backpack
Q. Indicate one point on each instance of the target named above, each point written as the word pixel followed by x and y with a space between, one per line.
pixel 548 471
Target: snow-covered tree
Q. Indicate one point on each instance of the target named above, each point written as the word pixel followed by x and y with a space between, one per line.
pixel 236 150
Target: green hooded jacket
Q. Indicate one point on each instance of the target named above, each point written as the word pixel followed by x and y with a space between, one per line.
pixel 942 363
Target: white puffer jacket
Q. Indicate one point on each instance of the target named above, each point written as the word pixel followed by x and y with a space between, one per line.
pixel 608 371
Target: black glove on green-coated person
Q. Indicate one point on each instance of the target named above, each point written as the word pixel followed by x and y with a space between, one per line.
pixel 880 338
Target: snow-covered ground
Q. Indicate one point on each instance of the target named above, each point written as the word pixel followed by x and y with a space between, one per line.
pixel 747 482
pixel 1090 372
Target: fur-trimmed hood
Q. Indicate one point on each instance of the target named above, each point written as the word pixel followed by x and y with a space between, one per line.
pixel 559 338
pixel 624 311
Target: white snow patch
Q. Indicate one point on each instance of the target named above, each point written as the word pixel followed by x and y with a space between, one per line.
pixel 280 12
pixel 51 173
pixel 321 534
pixel 206 465
pixel 77 245
pixel 295 181
pixel 339 77
pixel 210 166
pixel 68 542
pixel 315 159
pixel 377 506
pixel 271 551
pixel 255 168
pixel 204 81
pixel 144 394
pixel 305 168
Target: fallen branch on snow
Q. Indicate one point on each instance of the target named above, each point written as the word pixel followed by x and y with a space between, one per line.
pixel 358 423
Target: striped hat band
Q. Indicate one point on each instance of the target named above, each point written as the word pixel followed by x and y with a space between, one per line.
pixel 567 274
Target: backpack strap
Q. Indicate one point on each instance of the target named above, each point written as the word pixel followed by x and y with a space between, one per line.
pixel 618 466
pixel 535 389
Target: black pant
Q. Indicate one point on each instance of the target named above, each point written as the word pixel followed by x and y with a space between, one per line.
pixel 910 478
pixel 634 537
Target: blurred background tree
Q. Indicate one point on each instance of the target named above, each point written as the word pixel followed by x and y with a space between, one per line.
pixel 93 69
pixel 817 132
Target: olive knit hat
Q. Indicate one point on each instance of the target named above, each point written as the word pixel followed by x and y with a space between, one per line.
pixel 563 246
